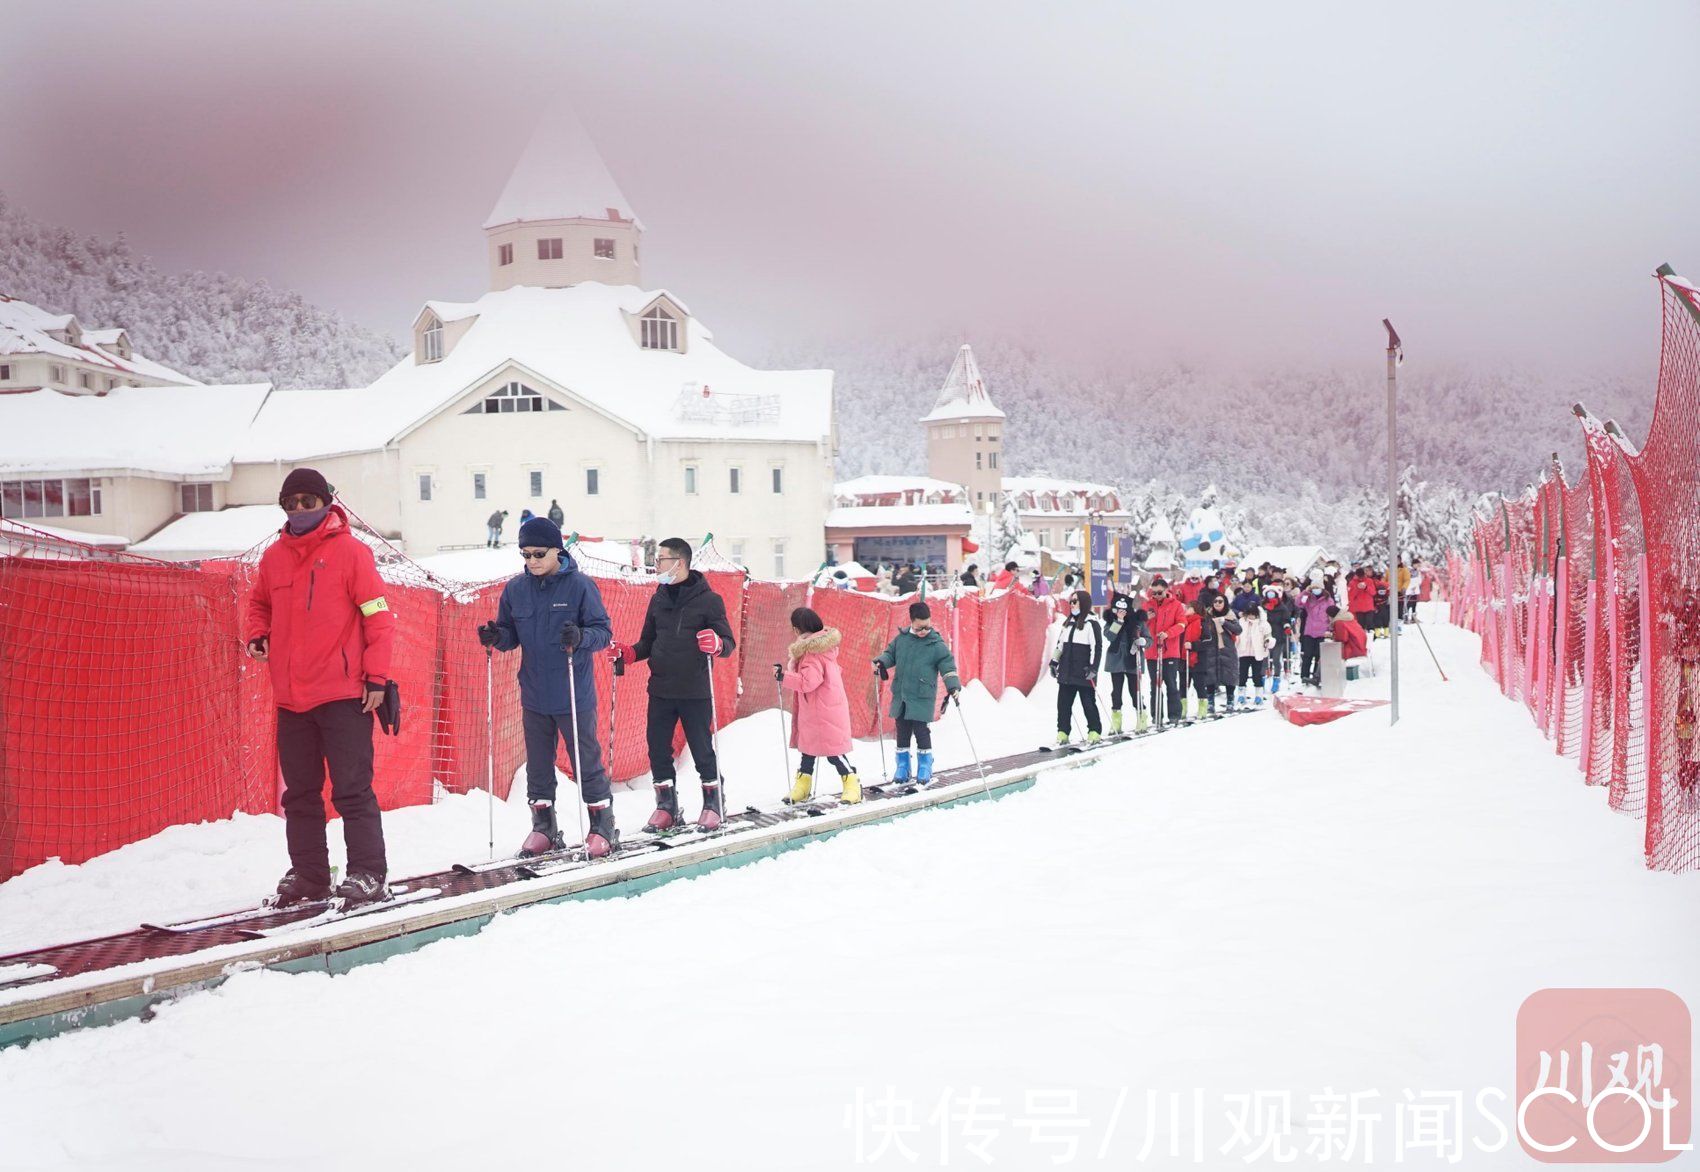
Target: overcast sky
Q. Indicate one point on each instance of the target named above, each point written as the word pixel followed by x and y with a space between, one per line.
pixel 1179 181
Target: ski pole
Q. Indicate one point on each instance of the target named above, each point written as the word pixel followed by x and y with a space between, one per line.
pixel 1431 653
pixel 614 704
pixel 714 736
pixel 490 742
pixel 784 741
pixel 985 786
pixel 879 721
pixel 577 755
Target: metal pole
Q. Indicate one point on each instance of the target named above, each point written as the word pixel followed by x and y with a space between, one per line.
pixel 1394 354
pixel 490 743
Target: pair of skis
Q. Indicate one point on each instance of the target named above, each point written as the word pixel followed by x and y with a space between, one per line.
pixel 323 911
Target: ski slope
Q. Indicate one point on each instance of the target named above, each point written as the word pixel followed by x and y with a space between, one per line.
pixel 1240 907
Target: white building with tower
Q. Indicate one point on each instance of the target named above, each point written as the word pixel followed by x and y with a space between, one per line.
pixel 567 381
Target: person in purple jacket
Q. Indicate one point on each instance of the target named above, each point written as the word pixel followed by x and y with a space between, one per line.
pixel 1313 629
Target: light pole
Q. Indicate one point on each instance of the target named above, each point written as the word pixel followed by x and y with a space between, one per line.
pixel 1395 355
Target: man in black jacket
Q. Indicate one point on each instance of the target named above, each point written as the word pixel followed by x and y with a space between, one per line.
pixel 684 628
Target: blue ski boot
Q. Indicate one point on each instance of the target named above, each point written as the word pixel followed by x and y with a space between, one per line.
pixel 902 771
pixel 924 767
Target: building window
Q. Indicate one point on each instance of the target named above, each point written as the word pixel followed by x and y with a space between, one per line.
pixel 110 382
pixel 5 372
pixel 504 254
pixel 511 397
pixel 592 481
pixel 82 498
pixel 690 480
pixel 47 498
pixel 424 486
pixel 979 432
pixel 992 437
pixel 549 248
pixel 604 249
pixel 978 461
pixel 779 480
pixel 659 330
pixel 194 498
pixel 778 559
pixel 85 380
pixel 737 548
pixel 536 483
pixel 478 486
pixel 56 374
pixel 433 351
pixel 992 460
pixel 736 480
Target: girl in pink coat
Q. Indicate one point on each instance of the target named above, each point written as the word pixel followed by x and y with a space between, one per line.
pixel 822 724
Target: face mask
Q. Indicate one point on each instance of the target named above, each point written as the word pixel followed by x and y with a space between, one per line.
pixel 673 574
pixel 307 520
pixel 1316 590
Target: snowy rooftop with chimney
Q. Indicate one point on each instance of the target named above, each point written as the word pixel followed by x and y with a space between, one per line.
pixel 26 329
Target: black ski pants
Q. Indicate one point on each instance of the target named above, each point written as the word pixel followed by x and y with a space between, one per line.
pixel 1088 704
pixel 695 716
pixel 336 735
pixel 1310 659
pixel 1168 677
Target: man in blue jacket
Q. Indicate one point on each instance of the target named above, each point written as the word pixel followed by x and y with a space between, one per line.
pixel 553 613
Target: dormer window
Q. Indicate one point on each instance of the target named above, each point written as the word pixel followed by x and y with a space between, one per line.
pixel 604 249
pixel 660 330
pixel 431 347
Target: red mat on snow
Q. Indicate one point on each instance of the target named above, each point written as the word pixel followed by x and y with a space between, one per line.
pixel 1295 709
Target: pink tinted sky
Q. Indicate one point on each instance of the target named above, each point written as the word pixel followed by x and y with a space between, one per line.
pixel 1231 181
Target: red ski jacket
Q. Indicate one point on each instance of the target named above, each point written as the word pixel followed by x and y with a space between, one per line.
pixel 1166 622
pixel 1360 595
pixel 320 601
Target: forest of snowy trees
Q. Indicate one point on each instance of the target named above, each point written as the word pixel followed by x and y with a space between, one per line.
pixel 1297 453
pixel 217 328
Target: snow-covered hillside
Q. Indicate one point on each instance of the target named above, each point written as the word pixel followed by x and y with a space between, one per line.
pixel 1238 908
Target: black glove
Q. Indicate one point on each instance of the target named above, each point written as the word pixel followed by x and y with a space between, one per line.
pixel 779 673
pixel 570 635
pixel 1054 670
pixel 489 633
pixel 881 669
pixel 953 693
pixel 389 712
pixel 258 646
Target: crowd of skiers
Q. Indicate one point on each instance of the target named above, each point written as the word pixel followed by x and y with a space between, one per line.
pixel 318 618
pixel 1208 645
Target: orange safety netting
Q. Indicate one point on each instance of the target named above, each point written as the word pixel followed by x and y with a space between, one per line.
pixel 127 704
pixel 1587 601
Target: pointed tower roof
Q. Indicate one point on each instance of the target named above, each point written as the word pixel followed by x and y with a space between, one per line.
pixel 963 395
pixel 561 176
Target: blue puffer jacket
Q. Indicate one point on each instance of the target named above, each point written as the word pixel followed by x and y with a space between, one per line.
pixel 531 614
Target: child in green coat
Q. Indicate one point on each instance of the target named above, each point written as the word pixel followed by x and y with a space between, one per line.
pixel 917 657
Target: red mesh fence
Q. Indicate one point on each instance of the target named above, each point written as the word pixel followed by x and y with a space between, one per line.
pixel 1587 601
pixel 127 704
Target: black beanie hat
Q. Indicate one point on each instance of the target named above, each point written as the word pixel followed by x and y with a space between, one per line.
pixel 305 480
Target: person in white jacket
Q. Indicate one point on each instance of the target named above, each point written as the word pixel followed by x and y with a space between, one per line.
pixel 1253 644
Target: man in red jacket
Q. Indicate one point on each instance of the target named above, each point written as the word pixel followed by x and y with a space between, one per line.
pixel 317 616
pixel 1165 618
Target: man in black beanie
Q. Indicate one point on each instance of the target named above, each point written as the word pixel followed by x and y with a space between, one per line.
pixel 317 615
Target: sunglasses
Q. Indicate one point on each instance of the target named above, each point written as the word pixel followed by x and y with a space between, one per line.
pixel 293 504
pixel 539 555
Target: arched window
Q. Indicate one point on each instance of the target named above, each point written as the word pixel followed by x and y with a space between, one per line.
pixel 660 331
pixel 513 397
pixel 432 350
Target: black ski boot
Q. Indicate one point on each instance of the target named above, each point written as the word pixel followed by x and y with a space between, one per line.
pixel 360 888
pixel 666 816
pixel 602 839
pixel 713 812
pixel 293 889
pixel 545 836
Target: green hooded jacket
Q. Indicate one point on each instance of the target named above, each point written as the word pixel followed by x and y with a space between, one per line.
pixel 918 662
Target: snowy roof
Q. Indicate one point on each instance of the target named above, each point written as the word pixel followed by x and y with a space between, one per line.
pixel 228 531
pixel 24 330
pixel 16 536
pixel 575 339
pixel 851 570
pixel 878 485
pixel 899 516
pixel 157 431
pixel 1294 558
pixel 1053 484
pixel 963 395
pixel 561 176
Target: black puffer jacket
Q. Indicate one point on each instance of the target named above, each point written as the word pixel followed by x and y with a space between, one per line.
pixel 1218 659
pixel 678 670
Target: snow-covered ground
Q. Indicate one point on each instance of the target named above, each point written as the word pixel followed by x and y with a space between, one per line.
pixel 1236 908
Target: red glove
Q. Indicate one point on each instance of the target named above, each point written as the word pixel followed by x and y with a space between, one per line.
pixel 621 652
pixel 708 642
